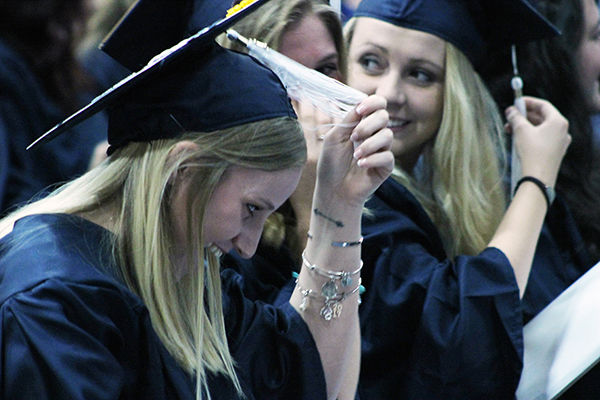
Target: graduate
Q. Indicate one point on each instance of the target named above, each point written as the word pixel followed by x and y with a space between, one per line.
pixel 445 261
pixel 110 287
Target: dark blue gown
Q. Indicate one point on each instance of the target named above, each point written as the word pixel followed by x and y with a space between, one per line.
pixel 26 113
pixel 560 259
pixel 72 330
pixel 267 276
pixel 433 328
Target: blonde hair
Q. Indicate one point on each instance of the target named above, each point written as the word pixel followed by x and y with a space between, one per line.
pixel 186 313
pixel 462 187
pixel 462 190
pixel 273 20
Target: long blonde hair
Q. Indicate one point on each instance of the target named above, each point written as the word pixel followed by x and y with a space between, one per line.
pixel 186 313
pixel 462 189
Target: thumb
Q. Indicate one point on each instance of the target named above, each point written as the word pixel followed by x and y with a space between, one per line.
pixel 515 118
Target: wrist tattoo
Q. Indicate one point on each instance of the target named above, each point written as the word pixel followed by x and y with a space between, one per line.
pixel 337 223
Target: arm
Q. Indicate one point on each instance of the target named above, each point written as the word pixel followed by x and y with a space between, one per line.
pixel 343 185
pixel 541 145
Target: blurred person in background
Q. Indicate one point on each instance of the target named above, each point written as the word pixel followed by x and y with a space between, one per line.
pixel 42 82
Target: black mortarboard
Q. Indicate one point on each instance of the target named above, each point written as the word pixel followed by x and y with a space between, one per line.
pixel 473 26
pixel 151 26
pixel 195 86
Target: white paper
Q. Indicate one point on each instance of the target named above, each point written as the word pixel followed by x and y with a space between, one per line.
pixel 562 342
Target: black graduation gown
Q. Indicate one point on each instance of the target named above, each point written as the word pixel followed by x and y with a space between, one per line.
pixel 433 328
pixel 26 113
pixel 71 330
pixel 266 274
pixel 560 259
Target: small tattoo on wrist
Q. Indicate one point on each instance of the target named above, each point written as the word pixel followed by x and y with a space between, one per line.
pixel 337 223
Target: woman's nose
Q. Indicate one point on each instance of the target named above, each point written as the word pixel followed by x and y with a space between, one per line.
pixel 247 241
pixel 390 87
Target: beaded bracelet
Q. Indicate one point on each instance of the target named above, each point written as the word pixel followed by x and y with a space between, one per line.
pixel 344 277
pixel 329 291
pixel 341 244
pixel 332 306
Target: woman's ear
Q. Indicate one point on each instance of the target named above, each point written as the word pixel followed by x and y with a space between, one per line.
pixel 180 148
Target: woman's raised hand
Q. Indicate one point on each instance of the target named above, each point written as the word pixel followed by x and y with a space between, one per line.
pixel 356 156
pixel 542 138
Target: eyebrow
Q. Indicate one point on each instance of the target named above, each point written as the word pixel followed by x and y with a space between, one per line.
pixel 331 57
pixel 266 204
pixel 428 62
pixel 381 48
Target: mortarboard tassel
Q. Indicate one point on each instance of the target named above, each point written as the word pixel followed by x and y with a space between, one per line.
pixel 329 95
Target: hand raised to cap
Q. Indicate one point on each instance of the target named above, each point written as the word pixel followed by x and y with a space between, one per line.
pixel 356 157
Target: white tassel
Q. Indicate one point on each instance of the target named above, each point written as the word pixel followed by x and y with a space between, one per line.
pixel 303 84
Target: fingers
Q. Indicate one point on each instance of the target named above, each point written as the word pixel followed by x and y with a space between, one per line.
pixel 366 107
pixel 383 160
pixel 370 104
pixel 515 119
pixel 541 139
pixel 538 111
pixel 372 123
pixel 366 127
pixel 538 106
pixel 380 141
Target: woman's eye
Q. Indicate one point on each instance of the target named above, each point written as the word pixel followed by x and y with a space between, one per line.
pixel 422 76
pixel 331 70
pixel 370 63
pixel 252 209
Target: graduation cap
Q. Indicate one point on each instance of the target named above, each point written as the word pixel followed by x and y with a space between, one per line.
pixel 195 85
pixel 473 26
pixel 151 26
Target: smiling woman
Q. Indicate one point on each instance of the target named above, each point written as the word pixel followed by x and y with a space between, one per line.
pixel 407 67
pixel 445 260
pixel 108 288
pixel 241 204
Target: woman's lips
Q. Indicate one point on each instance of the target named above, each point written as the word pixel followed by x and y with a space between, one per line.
pixel 397 125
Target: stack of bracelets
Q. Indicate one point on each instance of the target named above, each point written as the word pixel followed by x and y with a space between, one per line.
pixel 333 291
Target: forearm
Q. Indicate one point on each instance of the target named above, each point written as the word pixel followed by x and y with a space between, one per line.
pixel 334 324
pixel 350 381
pixel 518 233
